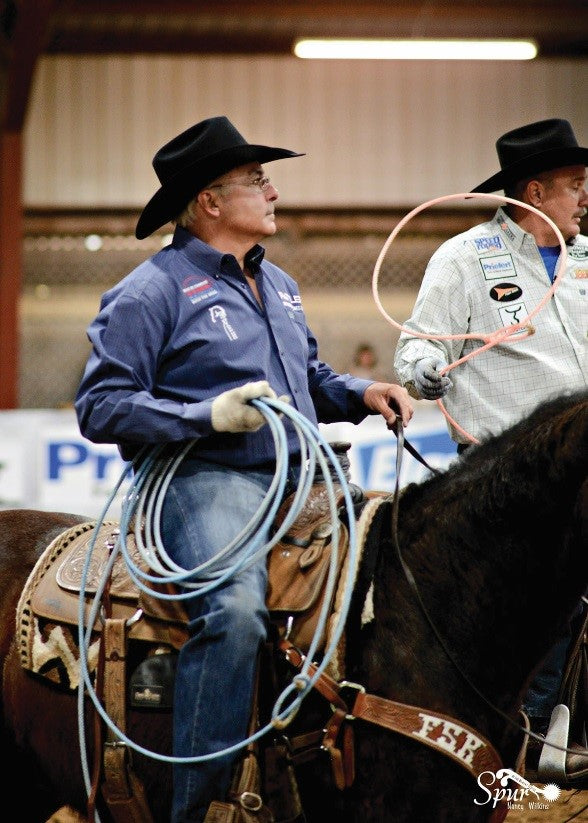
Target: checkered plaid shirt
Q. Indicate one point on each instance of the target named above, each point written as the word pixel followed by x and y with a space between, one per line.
pixel 479 281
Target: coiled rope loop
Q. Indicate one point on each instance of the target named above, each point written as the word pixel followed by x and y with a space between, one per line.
pixel 151 474
pixel 515 333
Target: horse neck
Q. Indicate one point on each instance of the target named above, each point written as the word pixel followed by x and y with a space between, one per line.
pixel 497 563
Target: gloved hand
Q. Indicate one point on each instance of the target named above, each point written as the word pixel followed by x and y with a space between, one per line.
pixel 427 379
pixel 231 411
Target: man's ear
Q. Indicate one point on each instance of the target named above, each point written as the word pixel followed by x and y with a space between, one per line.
pixel 535 192
pixel 208 201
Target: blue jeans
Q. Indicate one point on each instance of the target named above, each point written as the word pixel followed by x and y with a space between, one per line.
pixel 205 507
pixel 543 692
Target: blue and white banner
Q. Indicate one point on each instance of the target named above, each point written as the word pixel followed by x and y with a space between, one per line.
pixel 46 464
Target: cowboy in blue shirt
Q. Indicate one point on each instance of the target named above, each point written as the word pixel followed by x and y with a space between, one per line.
pixel 179 347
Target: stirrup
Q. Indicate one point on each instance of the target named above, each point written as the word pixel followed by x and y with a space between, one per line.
pixel 552 762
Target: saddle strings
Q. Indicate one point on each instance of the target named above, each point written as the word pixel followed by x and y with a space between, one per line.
pixel 150 475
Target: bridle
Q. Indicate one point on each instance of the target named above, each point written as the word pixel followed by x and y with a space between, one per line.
pixel 403 443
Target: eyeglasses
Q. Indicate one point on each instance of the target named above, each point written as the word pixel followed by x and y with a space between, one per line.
pixel 262 183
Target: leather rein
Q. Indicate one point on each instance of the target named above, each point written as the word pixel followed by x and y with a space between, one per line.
pixel 412 583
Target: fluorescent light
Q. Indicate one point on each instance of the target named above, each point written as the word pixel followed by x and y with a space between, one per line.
pixel 394 49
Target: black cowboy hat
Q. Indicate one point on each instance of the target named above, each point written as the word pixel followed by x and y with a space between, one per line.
pixel 541 146
pixel 193 159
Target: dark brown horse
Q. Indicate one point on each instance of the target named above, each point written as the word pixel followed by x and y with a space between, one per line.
pixel 497 546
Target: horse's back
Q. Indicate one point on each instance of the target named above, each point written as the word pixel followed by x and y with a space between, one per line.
pixel 24 534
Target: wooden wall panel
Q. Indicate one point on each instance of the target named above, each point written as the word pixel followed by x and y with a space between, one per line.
pixel 376 133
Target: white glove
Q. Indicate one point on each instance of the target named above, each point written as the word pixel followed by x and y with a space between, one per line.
pixel 231 411
pixel 427 379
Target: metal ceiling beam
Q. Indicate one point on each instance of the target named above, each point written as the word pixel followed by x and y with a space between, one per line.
pixel 264 27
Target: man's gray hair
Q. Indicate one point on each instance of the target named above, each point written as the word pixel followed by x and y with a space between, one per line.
pixel 186 217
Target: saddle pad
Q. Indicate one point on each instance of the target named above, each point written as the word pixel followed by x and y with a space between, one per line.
pixel 48 610
pixel 336 665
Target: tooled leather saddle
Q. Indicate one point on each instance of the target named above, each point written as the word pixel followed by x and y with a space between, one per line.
pixel 49 609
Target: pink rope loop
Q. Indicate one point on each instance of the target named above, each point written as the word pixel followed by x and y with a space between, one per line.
pixel 502 333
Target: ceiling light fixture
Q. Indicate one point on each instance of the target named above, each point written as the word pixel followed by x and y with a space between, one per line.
pixel 412 49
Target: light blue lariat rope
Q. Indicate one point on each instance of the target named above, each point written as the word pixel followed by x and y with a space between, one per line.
pixel 140 512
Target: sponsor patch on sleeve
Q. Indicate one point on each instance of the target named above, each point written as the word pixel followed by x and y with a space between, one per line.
pixel 485 244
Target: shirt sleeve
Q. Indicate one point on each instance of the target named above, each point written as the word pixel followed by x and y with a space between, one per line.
pixel 336 397
pixel 441 308
pixel 116 401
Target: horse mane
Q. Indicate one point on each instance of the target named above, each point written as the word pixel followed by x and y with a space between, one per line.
pixel 531 465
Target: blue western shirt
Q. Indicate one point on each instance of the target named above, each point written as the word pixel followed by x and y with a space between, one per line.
pixel 182 328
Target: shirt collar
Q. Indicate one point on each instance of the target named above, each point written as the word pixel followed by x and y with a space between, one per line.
pixel 197 251
pixel 514 232
pixel 254 258
pixel 511 229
